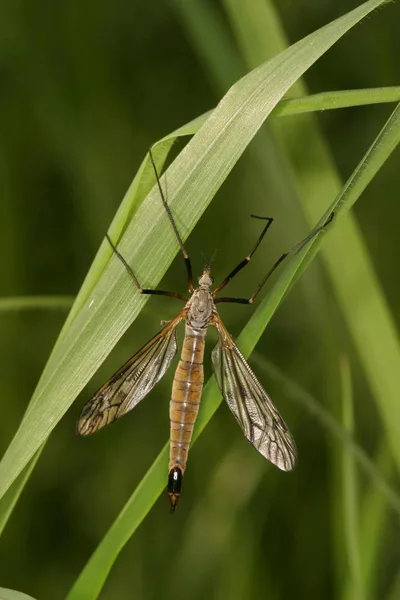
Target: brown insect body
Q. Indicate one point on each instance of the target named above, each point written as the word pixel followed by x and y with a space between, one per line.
pixel 188 382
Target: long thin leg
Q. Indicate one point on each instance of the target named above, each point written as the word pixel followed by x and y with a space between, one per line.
pixel 246 260
pixel 135 280
pixel 174 227
pixel 292 250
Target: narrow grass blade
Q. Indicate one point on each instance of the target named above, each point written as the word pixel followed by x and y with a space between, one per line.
pixel 18 303
pixel 199 554
pixel 357 288
pixel 6 594
pixel 107 305
pixel 360 296
pixel 350 503
pixel 336 99
pixel 199 17
pixel 295 392
pixel 373 522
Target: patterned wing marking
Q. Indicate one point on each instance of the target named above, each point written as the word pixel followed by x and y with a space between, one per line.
pixel 257 416
pixel 132 382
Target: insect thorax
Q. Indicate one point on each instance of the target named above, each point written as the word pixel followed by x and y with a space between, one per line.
pixel 200 309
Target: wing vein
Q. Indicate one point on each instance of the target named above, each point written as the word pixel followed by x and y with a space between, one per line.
pixel 132 382
pixel 260 421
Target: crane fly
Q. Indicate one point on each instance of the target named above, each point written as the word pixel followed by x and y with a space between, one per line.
pixel 260 421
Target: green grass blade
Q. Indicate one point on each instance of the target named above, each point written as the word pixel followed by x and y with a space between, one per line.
pixel 138 190
pixel 13 595
pixel 336 99
pixel 200 554
pixel 11 496
pixel 357 288
pixel 350 503
pixel 296 393
pixel 359 294
pixel 394 593
pixel 104 314
pixel 198 17
pixel 375 157
pixel 90 582
pixel 373 521
pixel 18 303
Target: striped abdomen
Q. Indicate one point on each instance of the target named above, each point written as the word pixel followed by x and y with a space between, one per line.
pixel 184 406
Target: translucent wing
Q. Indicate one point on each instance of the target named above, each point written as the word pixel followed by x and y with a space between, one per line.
pixel 132 382
pixel 257 416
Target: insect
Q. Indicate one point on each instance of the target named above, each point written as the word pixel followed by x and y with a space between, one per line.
pixel 260 421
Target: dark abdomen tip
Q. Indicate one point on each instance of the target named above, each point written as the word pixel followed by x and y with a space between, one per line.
pixel 174 487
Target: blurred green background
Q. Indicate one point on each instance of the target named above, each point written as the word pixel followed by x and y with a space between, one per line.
pixel 85 88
